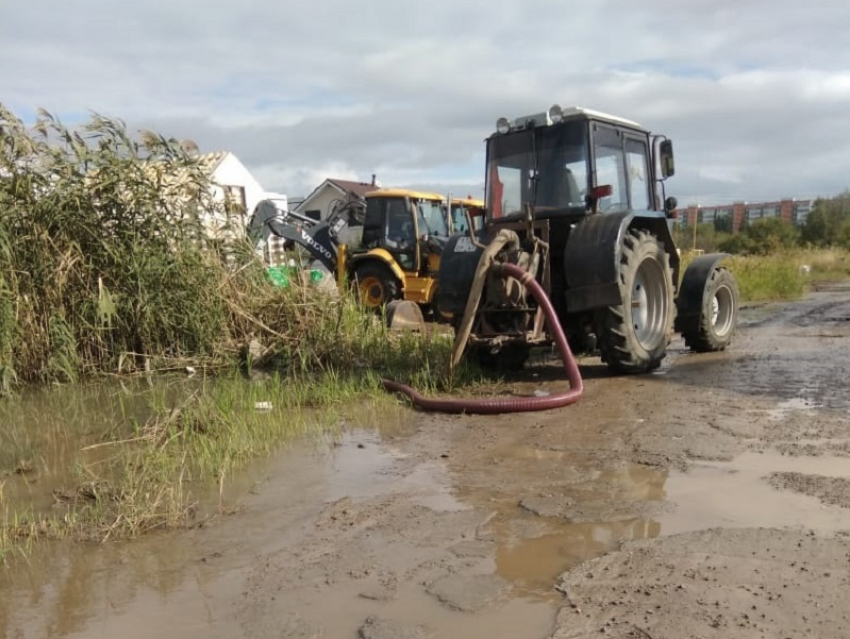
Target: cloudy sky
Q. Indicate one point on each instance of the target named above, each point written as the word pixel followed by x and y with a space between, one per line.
pixel 754 93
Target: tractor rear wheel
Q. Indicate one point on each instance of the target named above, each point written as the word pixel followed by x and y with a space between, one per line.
pixel 633 336
pixel 376 285
pixel 718 316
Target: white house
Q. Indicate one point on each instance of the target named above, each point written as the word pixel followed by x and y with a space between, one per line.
pixel 233 186
pixel 319 203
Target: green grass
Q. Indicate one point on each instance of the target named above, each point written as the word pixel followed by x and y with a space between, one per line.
pixel 767 278
pixel 779 276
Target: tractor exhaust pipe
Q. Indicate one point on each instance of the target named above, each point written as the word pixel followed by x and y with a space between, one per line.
pixel 517 404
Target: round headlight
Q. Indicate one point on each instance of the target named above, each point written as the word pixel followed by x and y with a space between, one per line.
pixel 556 114
pixel 502 125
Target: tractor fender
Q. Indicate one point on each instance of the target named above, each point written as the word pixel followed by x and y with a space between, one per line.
pixel 377 255
pixel 592 256
pixel 692 291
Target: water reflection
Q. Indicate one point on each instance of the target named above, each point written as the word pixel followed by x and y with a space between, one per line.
pixel 596 517
pixel 63 586
pixel 534 564
pixel 48 433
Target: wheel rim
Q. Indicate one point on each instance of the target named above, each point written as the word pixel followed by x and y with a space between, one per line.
pixel 371 291
pixel 722 311
pixel 649 304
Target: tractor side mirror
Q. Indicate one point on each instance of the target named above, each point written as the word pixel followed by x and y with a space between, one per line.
pixel 668 168
pixel 670 205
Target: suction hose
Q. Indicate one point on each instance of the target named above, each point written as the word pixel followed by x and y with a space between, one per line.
pixel 514 404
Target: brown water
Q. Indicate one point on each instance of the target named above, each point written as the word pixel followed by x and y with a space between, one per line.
pixel 47 433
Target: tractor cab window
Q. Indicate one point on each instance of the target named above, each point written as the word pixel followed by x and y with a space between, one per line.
pixel 545 167
pixel 611 168
pixel 622 164
pixel 638 174
pixel 432 219
pixel 388 223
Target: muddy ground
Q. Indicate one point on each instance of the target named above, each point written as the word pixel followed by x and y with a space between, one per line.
pixel 710 499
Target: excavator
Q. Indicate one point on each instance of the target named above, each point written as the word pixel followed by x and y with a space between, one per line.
pixel 386 244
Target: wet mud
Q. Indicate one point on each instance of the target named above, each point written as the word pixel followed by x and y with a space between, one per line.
pixel 709 499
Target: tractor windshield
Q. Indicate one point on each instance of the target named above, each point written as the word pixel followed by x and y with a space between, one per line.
pixel 432 219
pixel 546 167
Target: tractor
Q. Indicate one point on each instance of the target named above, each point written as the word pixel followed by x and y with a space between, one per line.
pixel 576 199
pixel 387 245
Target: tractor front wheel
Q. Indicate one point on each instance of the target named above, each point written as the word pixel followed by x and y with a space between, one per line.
pixel 376 285
pixel 633 336
pixel 718 316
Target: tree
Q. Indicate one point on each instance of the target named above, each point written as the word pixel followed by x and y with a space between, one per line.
pixel 771 234
pixel 723 224
pixel 823 226
pixel 735 244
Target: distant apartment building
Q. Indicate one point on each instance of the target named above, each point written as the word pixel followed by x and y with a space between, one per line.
pixel 730 217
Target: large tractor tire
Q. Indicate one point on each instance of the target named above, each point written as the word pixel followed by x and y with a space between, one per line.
pixel 718 315
pixel 633 336
pixel 376 285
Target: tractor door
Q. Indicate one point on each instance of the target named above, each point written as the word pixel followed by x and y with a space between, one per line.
pixel 622 172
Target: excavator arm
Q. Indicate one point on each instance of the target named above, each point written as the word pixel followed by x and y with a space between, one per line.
pixel 319 239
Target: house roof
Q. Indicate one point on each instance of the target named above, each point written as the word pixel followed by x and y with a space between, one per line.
pixel 359 188
pixel 343 186
pixel 211 161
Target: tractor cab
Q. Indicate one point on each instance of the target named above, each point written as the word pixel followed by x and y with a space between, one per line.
pixel 568 163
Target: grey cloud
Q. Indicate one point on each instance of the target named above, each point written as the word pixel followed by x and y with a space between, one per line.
pixel 754 94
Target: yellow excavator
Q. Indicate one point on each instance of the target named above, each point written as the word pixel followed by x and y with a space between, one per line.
pixel 387 245
pixel 398 256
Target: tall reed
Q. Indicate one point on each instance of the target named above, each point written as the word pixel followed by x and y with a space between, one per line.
pixel 104 260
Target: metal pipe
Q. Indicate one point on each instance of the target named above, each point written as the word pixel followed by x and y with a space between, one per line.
pixel 514 404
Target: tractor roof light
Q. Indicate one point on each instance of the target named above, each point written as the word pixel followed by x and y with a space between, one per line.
pixel 556 113
pixel 503 126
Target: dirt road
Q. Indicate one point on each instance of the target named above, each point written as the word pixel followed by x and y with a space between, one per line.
pixel 710 499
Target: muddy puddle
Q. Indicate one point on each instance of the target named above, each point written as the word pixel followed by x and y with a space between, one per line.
pixel 180 582
pixel 412 525
pixel 744 493
pixel 49 432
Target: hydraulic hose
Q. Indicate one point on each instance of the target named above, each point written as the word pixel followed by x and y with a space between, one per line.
pixel 514 404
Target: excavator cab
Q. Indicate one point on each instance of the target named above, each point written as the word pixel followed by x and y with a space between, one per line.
pixel 404 233
pixel 388 244
pixel 467 213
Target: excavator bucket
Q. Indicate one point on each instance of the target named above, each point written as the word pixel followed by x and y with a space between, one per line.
pixel 403 315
